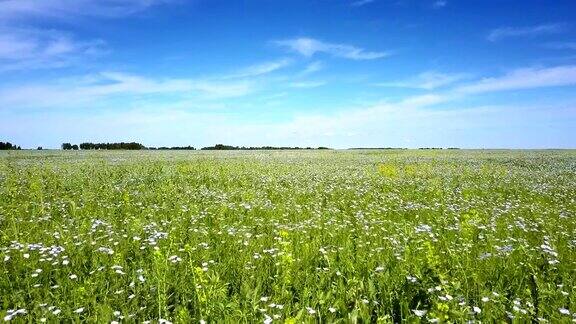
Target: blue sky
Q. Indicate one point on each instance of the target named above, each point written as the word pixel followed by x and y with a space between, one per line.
pixel 338 73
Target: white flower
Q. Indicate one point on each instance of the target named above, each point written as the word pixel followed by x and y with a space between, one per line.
pixel 79 310
pixel 311 310
pixel 485 299
pixel 73 276
pixel 332 310
pixel 106 250
pixel 419 312
pixel 174 259
pixel 57 311
pixel 264 298
pixel 564 311
pixel 477 309
pixel 26 255
pixel 412 279
pixel 6 258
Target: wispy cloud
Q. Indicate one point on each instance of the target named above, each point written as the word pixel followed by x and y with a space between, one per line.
pixel 561 45
pixel 361 3
pixel 222 90
pixel 307 84
pixel 378 125
pixel 312 67
pixel 94 89
pixel 508 32
pixel 24 46
pixel 526 78
pixel 428 80
pixel 22 49
pixel 518 79
pixel 413 121
pixel 440 4
pixel 260 69
pixel 25 9
pixel 309 47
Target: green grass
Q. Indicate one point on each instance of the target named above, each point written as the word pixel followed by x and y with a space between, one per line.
pixel 297 236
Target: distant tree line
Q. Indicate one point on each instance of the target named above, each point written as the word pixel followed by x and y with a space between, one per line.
pixel 180 148
pixel 68 146
pixel 9 146
pixel 104 146
pixel 230 147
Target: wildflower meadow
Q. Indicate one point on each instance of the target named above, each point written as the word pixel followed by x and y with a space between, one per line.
pixel 330 236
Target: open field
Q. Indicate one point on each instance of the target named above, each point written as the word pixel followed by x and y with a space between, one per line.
pixel 295 236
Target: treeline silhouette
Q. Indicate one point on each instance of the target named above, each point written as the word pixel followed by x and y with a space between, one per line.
pixel 104 146
pixel 176 148
pixel 138 146
pixel 230 147
pixel 9 146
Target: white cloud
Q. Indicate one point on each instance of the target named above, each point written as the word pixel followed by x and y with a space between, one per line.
pixel 35 48
pixel 428 80
pixel 507 32
pixel 309 47
pixel 374 126
pixel 260 69
pixel 22 49
pixel 221 90
pixel 425 100
pixel 307 84
pixel 411 122
pixel 361 3
pixel 312 67
pixel 562 45
pixel 25 9
pixel 95 89
pixel 440 4
pixel 526 78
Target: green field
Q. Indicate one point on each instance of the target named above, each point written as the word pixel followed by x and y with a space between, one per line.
pixel 290 236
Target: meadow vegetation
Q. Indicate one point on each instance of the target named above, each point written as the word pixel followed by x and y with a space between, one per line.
pixel 288 236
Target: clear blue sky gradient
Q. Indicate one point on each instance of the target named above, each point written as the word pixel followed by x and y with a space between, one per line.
pixel 337 73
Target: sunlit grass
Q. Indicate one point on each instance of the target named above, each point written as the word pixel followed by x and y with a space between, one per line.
pixel 299 236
